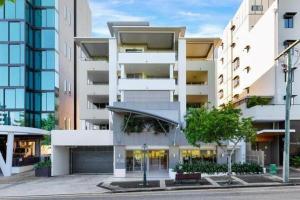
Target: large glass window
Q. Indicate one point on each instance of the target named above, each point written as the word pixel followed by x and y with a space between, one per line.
pixel 16 32
pixel 16 76
pixel 1 12
pixel 48 80
pixel 48 101
pixel 49 39
pixel 4 31
pixel 50 60
pixel 14 98
pixel 17 118
pixel 10 11
pixel 45 18
pixel 3 53
pixel 20 9
pixel 16 54
pixel 4 76
pixel 37 102
pixel 289 22
pixel 1 98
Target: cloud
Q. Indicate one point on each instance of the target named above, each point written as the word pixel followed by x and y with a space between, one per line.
pixel 207 30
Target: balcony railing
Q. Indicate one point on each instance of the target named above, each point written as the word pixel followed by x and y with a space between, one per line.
pixel 146 84
pixel 140 58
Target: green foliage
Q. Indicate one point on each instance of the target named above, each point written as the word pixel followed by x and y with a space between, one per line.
pixel 43 164
pixel 3 1
pixel 46 140
pixel 135 124
pixel 212 168
pixel 295 161
pixel 49 123
pixel 217 125
pixel 256 100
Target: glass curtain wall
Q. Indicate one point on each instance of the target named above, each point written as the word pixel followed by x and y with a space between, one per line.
pixel 29 61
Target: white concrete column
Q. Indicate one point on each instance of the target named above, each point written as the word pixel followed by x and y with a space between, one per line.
pixel 182 77
pixel 123 75
pixel 113 76
pixel 9 155
pixel 171 96
pixel 171 70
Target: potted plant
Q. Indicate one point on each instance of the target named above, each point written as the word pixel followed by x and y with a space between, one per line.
pixel 43 169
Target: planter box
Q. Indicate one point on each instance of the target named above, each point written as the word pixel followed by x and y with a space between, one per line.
pixel 43 172
pixel 183 177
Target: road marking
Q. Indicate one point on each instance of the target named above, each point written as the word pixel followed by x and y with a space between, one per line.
pixel 240 180
pixel 214 183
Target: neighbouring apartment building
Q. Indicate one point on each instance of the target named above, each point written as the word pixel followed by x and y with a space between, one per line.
pixel 247 71
pixel 133 91
pixel 37 74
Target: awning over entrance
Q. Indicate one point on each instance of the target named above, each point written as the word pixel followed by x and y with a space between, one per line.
pixel 273 132
pixel 148 114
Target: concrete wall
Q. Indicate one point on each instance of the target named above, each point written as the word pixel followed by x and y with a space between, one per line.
pixel 60 159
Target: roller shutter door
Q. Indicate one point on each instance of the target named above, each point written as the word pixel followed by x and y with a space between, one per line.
pixel 92 160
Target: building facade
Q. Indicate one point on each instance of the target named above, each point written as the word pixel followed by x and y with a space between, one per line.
pixel 133 92
pixel 249 76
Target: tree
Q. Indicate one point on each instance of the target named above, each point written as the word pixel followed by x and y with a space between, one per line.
pixel 3 1
pixel 48 124
pixel 221 126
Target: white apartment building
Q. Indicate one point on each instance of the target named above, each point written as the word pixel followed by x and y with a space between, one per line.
pixel 133 92
pixel 257 34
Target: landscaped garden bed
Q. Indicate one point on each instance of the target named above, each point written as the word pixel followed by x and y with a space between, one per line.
pixel 43 169
pixel 135 184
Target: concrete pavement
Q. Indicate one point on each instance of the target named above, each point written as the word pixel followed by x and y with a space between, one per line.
pixel 270 193
pixel 26 184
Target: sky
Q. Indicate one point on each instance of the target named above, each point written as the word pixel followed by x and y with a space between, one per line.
pixel 201 18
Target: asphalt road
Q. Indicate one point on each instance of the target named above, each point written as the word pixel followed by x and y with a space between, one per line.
pixel 270 193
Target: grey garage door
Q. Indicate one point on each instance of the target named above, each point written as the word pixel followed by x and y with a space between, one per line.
pixel 92 160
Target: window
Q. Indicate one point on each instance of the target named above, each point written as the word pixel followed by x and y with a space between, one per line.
pixel 4 76
pixel 247 48
pixel 69 53
pixel 48 101
pixel 69 17
pixel 65 12
pixel 4 31
pixel 247 69
pixel 16 54
pixel 257 8
pixel 65 49
pixel 50 60
pixel 15 31
pixel 293 97
pixel 288 43
pixel 289 20
pixel 48 81
pixel 16 76
pixel 236 63
pixel 236 81
pixel 69 88
pixel 65 86
pixel 15 9
pixel 221 79
pixel 222 61
pixel 3 53
pixel 247 89
pixel 221 94
pixel 1 98
pixel 14 98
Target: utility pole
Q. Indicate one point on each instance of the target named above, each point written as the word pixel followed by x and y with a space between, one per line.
pixel 288 96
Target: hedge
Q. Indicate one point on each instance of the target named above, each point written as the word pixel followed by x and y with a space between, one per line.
pixel 212 168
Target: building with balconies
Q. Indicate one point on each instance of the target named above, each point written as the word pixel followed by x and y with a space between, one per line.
pixel 249 76
pixel 133 92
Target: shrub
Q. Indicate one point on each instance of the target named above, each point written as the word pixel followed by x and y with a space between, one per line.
pixel 255 100
pixel 295 161
pixel 211 168
pixel 43 164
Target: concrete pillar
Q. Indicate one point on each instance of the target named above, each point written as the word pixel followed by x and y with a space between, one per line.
pixel 123 75
pixel 171 71
pixel 6 166
pixel 182 78
pixel 174 158
pixel 38 147
pixel 119 161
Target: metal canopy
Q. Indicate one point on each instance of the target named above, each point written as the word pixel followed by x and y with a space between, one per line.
pixel 273 132
pixel 129 110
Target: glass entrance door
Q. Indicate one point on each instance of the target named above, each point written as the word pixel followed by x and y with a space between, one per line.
pixel 158 160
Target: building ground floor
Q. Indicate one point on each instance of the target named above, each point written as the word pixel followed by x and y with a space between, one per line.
pixel 86 151
pixel 20 148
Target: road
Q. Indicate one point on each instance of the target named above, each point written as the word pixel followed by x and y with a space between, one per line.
pixel 271 193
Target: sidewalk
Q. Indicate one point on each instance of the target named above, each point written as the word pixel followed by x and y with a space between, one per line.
pixel 26 184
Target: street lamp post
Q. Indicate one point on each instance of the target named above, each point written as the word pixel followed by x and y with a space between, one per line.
pixel 145 167
pixel 286 152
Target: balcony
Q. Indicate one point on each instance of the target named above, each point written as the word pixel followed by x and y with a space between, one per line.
pixel 95 114
pixel 97 89
pixel 151 58
pixel 197 89
pixel 146 84
pixel 81 138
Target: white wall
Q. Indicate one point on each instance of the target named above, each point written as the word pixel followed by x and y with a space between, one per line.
pixel 60 159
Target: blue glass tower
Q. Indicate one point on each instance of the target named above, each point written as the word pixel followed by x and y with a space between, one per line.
pixel 29 61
